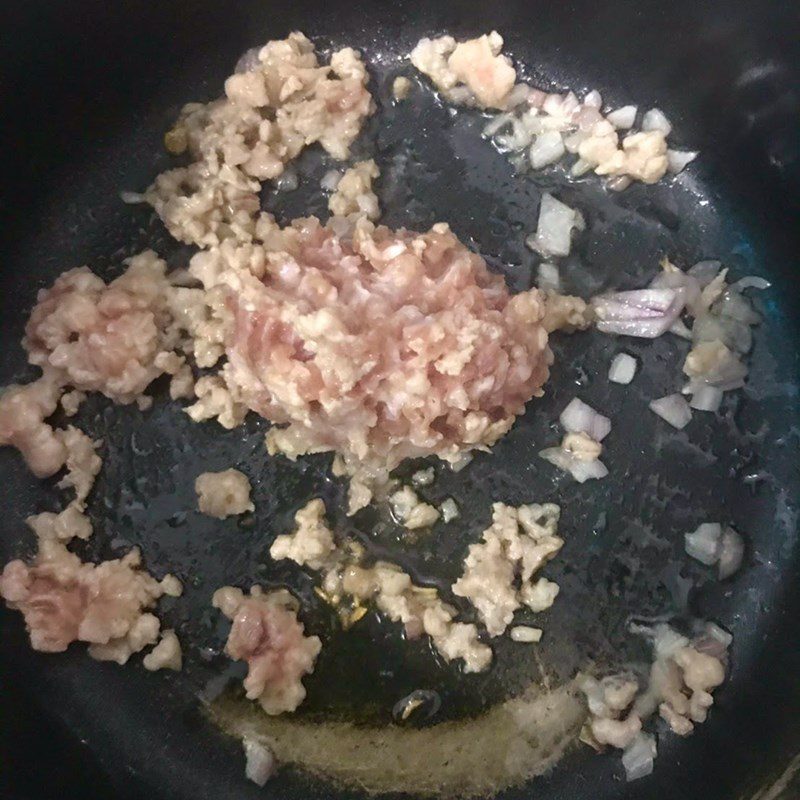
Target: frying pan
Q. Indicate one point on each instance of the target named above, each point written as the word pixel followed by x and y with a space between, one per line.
pixel 89 89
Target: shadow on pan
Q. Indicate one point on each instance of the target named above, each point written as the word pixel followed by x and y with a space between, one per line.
pixel 90 92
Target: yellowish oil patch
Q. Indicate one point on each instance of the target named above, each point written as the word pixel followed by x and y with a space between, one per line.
pixel 506 745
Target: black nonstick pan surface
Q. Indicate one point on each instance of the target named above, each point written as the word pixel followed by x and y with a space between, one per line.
pixel 89 90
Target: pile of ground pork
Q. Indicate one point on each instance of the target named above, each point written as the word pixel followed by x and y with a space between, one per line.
pixel 381 346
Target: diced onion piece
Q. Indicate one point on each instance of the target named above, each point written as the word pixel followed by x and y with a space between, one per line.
pixel 518 95
pixel 733 334
pixel 655 120
pixel 287 181
pixel 752 282
pixel 131 198
pixel 578 417
pixel 593 99
pixel 548 278
pixel 553 235
pixel 678 160
pixel 525 633
pixel 705 271
pixel 622 369
pixel 704 543
pixel 448 510
pixel 619 183
pixel 673 409
pixel 547 149
pixel 645 313
pixel 734 305
pixel 707 398
pixel 623 118
pixel 731 553
pixel 581 470
pixel 714 364
pixel 638 756
pixel 719 634
pixel 713 641
pixel 248 61
pixel 496 124
pixel 679 329
pixel 667 641
pixel 330 180
pixel 259 761
pixel 580 167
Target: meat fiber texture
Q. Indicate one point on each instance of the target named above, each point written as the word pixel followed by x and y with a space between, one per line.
pixel 380 346
pixel 278 102
pixel 64 599
pixel 266 634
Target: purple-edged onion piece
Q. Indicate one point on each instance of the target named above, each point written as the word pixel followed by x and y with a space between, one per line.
pixel 645 313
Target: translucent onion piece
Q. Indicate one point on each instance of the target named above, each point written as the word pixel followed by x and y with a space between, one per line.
pixel 259 761
pixel 638 756
pixel 578 417
pixel 546 149
pixel 622 369
pixel 673 409
pixel 752 282
pixel 553 235
pixel 548 278
pixel 731 553
pixel 707 398
pixel 623 118
pixel 655 120
pixel 705 271
pixel 581 470
pixel 704 543
pixel 678 160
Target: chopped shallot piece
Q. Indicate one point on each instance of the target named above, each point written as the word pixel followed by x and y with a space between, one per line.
pixel 622 369
pixel 731 553
pixel 645 313
pixel 655 120
pixel 623 118
pixel 579 468
pixel 673 409
pixel 678 160
pixel 707 398
pixel 557 220
pixel 638 756
pixel 548 278
pixel 259 761
pixel 704 543
pixel 578 417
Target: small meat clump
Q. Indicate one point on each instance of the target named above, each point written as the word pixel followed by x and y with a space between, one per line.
pixel 65 600
pixel 385 346
pixel 98 337
pixel 474 72
pixel 268 636
pixel 23 411
pixel 279 101
pixel 223 494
